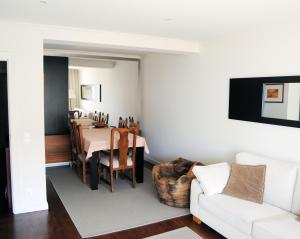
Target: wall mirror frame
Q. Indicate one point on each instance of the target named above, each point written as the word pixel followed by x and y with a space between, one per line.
pixel 247 97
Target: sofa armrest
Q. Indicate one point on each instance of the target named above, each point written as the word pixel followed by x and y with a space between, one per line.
pixel 196 190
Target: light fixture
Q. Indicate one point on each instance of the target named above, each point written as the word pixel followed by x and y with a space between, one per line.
pixel 168 19
pixel 43 1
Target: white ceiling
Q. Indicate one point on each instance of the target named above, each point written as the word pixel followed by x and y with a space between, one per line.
pixel 185 19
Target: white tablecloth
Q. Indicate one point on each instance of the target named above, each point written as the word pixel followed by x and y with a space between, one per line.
pixel 84 121
pixel 96 139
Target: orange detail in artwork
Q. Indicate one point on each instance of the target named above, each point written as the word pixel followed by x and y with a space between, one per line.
pixel 272 93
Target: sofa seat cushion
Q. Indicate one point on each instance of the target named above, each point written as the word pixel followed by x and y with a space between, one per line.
pixel 116 163
pixel 238 213
pixel 284 226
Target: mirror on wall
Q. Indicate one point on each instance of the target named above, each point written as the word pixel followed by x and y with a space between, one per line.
pixel 281 101
pixel 270 100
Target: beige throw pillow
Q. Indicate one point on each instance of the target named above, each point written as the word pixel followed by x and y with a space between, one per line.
pixel 246 182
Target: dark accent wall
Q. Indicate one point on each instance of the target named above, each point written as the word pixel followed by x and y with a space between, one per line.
pixel 56 95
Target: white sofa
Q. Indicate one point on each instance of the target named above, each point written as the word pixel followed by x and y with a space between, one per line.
pixel 235 218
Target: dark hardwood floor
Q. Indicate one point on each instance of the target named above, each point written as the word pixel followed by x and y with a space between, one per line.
pixel 56 224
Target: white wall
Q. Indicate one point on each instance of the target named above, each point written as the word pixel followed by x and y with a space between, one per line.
pixel 24 51
pixel 185 104
pixel 119 89
pixel 22 45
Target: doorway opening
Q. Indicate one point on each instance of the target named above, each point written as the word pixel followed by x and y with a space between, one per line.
pixel 5 182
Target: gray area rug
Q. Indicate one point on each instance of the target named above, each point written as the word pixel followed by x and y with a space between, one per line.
pixel 100 212
pixel 181 233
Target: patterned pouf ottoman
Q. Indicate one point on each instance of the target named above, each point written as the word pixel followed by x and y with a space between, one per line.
pixel 172 181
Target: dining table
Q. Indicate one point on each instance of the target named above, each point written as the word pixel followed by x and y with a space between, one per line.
pixel 85 122
pixel 98 139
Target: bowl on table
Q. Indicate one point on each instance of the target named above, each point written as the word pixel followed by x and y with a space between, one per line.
pixel 100 125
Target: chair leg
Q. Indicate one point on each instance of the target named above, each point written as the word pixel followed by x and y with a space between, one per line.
pixel 100 172
pixel 104 173
pixel 133 177
pixel 112 181
pixel 84 172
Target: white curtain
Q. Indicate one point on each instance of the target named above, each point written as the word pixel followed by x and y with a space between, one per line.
pixel 74 86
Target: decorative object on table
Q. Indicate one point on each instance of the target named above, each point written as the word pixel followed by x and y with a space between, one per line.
pixel 273 93
pixel 102 120
pixel 173 181
pixel 122 161
pixel 246 182
pixel 100 125
pixel 91 92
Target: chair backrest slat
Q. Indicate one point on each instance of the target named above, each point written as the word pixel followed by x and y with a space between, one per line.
pixel 72 134
pixel 123 123
pixel 123 145
pixel 103 118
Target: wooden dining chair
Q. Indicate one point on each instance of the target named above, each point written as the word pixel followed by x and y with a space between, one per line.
pixel 71 114
pixel 81 160
pixel 104 118
pixel 133 124
pixel 122 161
pixel 96 116
pixel 72 128
pixel 123 123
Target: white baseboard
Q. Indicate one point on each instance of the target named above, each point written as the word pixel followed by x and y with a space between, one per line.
pixel 151 160
pixel 30 208
pixel 50 165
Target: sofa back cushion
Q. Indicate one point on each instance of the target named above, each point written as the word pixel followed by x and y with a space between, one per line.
pixel 279 181
pixel 213 178
pixel 296 197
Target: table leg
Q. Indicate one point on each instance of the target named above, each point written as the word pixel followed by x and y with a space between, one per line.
pixel 139 165
pixel 94 171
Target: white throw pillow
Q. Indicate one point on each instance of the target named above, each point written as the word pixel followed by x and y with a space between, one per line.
pixel 213 178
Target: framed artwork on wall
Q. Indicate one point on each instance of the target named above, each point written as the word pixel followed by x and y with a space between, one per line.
pixel 273 93
pixel 91 92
